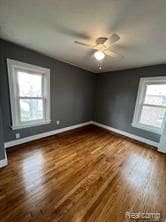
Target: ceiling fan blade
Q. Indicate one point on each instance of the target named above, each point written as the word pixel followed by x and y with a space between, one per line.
pixel 112 54
pixel 83 44
pixel 90 54
pixel 114 38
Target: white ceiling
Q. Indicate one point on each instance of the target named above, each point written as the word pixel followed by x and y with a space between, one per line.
pixel 51 26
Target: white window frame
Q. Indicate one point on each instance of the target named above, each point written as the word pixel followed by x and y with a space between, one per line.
pixel 14 65
pixel 139 103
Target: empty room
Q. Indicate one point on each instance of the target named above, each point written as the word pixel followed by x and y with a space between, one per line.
pixel 82 111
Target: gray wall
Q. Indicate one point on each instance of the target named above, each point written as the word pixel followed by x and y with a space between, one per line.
pixel 116 94
pixel 77 96
pixel 2 150
pixel 72 91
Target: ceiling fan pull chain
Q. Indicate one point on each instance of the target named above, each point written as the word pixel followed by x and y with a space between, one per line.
pixel 100 65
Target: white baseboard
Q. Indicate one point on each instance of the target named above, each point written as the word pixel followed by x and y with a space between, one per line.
pixel 53 132
pixel 162 146
pixel 132 136
pixel 161 150
pixel 42 135
pixel 3 162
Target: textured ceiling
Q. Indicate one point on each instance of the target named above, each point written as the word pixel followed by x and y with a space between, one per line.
pixel 51 26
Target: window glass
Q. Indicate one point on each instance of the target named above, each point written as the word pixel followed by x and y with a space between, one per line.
pixel 156 94
pixel 30 85
pixel 152 116
pixel 31 109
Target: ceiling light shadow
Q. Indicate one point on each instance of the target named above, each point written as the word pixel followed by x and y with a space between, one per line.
pixel 72 33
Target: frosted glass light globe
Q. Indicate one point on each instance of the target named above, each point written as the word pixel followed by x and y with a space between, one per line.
pixel 99 55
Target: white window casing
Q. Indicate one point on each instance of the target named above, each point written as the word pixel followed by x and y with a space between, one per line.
pixel 144 82
pixel 15 98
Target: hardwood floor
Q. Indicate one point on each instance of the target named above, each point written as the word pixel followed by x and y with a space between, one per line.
pixel 87 174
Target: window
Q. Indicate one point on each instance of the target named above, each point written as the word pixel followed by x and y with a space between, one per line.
pixel 150 106
pixel 29 94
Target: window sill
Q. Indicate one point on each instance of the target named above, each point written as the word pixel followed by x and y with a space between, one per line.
pixel 30 125
pixel 146 128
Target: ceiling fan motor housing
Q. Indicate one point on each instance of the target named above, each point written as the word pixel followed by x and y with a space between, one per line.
pixel 101 40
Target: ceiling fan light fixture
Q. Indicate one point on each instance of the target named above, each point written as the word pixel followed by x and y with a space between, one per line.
pixel 99 55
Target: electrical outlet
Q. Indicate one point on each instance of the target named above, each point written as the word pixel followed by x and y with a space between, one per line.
pixel 57 122
pixel 17 135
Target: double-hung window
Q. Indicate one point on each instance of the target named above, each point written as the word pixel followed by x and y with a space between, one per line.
pixel 150 109
pixel 29 87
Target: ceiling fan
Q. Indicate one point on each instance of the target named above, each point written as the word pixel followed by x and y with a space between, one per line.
pixel 101 48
